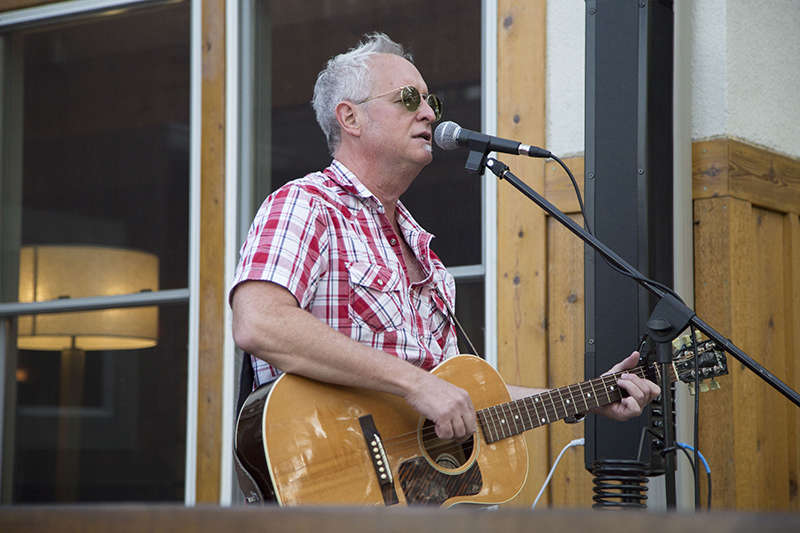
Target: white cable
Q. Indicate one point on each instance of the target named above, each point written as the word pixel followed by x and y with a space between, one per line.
pixel 576 442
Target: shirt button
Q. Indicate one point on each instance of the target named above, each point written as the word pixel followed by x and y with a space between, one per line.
pixel 380 282
pixel 393 242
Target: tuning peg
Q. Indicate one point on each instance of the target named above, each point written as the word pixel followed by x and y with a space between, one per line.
pixel 676 343
pixel 714 384
pixel 691 388
pixel 686 340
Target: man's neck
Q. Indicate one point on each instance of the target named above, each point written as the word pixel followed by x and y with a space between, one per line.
pixel 386 184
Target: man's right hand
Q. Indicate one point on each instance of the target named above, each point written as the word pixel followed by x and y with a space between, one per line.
pixel 444 404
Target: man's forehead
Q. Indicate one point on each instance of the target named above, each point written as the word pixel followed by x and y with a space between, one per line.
pixel 388 69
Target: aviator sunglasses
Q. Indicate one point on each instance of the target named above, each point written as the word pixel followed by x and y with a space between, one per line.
pixel 412 99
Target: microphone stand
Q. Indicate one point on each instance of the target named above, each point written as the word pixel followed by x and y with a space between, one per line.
pixel 669 318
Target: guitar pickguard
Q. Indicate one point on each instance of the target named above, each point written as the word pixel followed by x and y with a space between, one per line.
pixel 422 484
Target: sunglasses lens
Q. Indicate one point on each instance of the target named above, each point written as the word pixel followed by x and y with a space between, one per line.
pixel 411 98
pixel 436 105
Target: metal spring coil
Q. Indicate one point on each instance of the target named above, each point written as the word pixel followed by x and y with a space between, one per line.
pixel 619 484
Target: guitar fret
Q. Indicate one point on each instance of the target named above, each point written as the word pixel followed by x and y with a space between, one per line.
pixel 498 421
pixel 537 403
pixel 581 400
pixel 556 404
pixel 531 423
pixel 571 407
pixel 485 428
pixel 504 420
pixel 548 406
pixel 593 395
pixel 493 419
pixel 608 393
pixel 513 411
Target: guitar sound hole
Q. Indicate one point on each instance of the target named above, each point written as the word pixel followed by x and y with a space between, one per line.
pixel 445 454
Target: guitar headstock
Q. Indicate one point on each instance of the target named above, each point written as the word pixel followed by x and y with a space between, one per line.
pixel 711 362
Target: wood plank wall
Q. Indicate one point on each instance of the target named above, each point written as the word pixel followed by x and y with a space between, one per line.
pixel 521 288
pixel 747 286
pixel 572 484
pixel 213 289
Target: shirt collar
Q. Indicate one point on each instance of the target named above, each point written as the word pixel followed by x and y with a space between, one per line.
pixel 350 183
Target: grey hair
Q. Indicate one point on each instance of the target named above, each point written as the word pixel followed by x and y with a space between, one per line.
pixel 346 77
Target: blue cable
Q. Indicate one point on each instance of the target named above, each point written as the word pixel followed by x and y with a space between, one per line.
pixel 700 455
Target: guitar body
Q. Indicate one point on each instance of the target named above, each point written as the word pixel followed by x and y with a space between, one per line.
pixel 325 444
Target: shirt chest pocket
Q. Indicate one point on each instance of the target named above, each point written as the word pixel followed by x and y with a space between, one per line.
pixel 375 296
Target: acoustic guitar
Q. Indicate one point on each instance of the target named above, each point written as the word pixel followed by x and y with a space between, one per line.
pixel 312 443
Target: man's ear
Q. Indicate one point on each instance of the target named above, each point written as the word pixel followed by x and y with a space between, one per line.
pixel 349 118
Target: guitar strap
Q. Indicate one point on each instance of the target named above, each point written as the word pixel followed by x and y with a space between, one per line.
pixel 247 484
pixel 455 319
pixel 246 380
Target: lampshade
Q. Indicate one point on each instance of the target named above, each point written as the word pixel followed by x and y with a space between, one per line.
pixel 54 272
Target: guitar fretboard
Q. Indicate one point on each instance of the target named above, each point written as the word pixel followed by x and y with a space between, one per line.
pixel 512 418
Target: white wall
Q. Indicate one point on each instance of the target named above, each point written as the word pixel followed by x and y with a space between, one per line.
pixel 709 80
pixel 566 80
pixel 763 72
pixel 745 72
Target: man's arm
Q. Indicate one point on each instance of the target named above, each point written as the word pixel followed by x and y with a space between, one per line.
pixel 269 324
pixel 640 392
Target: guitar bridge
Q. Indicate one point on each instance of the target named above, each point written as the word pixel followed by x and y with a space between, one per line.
pixel 379 460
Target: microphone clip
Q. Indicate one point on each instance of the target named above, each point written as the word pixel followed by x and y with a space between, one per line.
pixel 478 150
pixel 476 162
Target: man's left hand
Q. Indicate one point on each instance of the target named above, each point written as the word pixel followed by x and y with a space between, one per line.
pixel 640 392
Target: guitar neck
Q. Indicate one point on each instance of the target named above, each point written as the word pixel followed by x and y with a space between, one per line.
pixel 512 418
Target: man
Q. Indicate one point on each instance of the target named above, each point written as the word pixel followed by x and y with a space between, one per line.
pixel 337 282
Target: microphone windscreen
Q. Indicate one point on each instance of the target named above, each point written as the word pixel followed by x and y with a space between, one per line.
pixel 446 135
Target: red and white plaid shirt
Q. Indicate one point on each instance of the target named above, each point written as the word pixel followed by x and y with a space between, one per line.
pixel 327 240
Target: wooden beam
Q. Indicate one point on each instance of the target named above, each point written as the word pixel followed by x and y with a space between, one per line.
pixel 764 178
pixel 572 487
pixel 212 268
pixel 726 167
pixel 710 169
pixel 558 188
pixel 179 519
pixel 11 5
pixel 791 271
pixel 522 265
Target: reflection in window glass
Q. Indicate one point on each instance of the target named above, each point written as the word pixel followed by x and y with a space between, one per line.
pixel 105 170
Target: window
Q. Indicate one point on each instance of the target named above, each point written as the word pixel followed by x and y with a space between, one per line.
pixel 95 178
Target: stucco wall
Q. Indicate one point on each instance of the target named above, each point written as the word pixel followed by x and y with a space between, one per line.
pixel 745 72
pixel 566 49
pixel 763 72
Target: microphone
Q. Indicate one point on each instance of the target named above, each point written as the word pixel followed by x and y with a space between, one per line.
pixel 449 135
